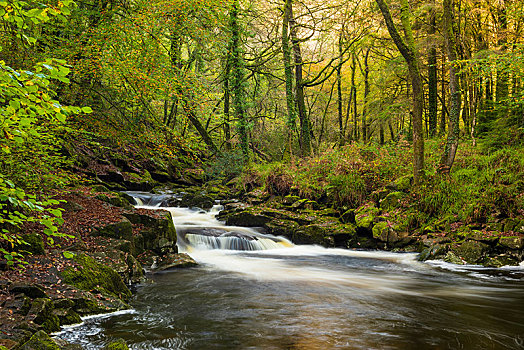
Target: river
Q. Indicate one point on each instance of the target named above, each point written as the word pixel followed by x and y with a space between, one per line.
pixel 309 297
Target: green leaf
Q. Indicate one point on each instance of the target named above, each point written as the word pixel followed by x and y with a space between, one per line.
pixel 68 255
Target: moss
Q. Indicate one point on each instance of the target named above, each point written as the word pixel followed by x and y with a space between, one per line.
pixel 471 251
pixel 119 230
pixel 392 200
pixel 67 316
pixel 35 244
pixel 512 242
pixel 118 344
pixel 40 341
pixel 94 276
pixel 99 188
pixel 364 216
pixel 381 231
pixel 41 312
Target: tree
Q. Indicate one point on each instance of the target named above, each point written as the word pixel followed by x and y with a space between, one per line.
pixel 450 150
pixel 406 46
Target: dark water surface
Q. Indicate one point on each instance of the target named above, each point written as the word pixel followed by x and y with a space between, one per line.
pixel 308 297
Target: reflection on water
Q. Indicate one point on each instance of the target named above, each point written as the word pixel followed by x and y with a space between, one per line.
pixel 308 297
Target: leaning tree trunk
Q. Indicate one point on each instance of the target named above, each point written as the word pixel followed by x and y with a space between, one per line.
pixel 288 73
pixel 408 51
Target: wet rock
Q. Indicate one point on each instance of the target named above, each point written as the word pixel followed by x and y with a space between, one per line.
pixel 64 345
pixel 433 252
pixel 197 200
pixel 120 230
pixel 471 251
pixel 31 290
pixel 99 188
pixel 281 228
pixel 452 258
pixel 67 316
pixel 118 344
pixel 91 275
pixel 161 176
pixel 247 219
pixel 313 234
pixel 41 314
pixel 500 261
pixel 174 261
pixel 158 234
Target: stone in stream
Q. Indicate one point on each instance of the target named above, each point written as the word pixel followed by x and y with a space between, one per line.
pixel 173 261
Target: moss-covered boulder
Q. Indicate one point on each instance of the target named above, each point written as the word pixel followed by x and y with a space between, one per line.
pixel 90 275
pixel 452 258
pixel 158 233
pixel 512 242
pixel 392 201
pixel 41 313
pixel 365 216
pixel 116 200
pixel 67 316
pixel 500 261
pixel 313 234
pixel 40 341
pixel 120 230
pixel 435 251
pixel 471 251
pixel 174 261
pixel 247 219
pixel 402 184
pixel 34 244
pixel 118 344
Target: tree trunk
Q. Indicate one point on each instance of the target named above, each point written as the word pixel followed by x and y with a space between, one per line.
pixel 408 51
pixel 237 72
pixel 365 135
pixel 450 149
pixel 432 79
pixel 305 127
pixel 341 138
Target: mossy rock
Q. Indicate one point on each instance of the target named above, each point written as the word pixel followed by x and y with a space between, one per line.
pixel 100 188
pixel 247 219
pixel 279 227
pixel 158 234
pixel 120 230
pixel 392 200
pixel 500 261
pixel 41 314
pixel 453 259
pixel 115 200
pixel 313 234
pixel 348 217
pixel 67 316
pixel 512 242
pixel 402 184
pixel 118 344
pixel 40 341
pixel 365 216
pixel 35 244
pixel 92 275
pixel 471 251
pixel 290 199
pixel 434 252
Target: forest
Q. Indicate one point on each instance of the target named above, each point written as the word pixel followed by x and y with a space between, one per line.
pixel 389 125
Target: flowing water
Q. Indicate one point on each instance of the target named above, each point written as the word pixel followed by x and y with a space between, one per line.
pixel 308 297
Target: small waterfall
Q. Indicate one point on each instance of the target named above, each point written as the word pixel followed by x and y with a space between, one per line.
pixel 199 229
pixel 236 242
